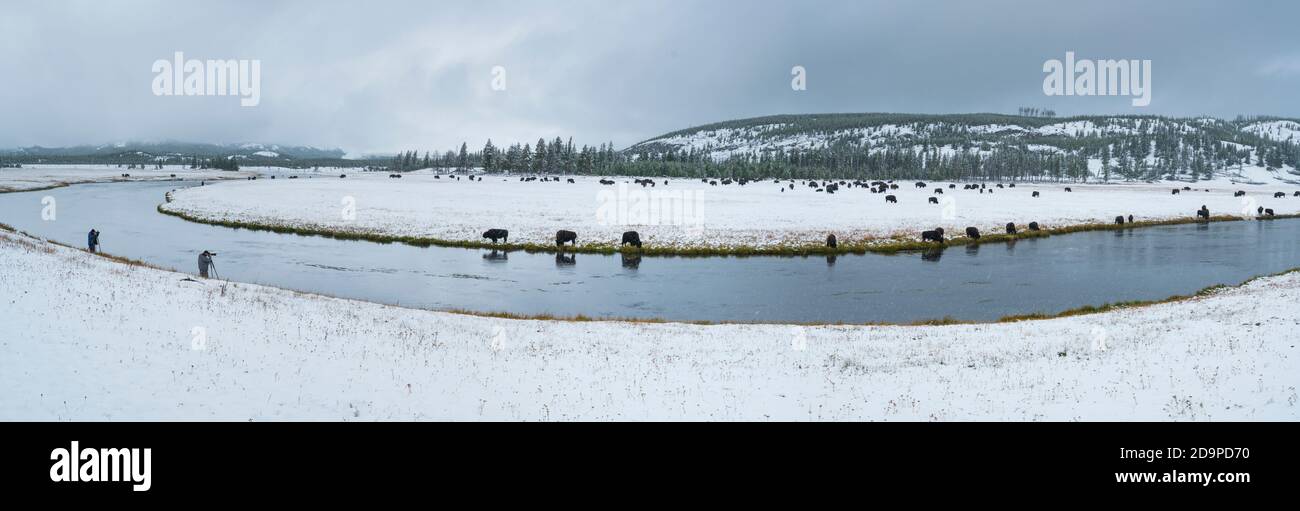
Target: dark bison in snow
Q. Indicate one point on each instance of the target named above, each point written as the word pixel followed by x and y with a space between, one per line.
pixel 1033 226
pixel 920 185
pixel 1119 220
pixel 1279 195
pixel 1176 191
pixel 1130 219
pixel 831 242
pixel 1204 212
pixel 571 180
pixel 1239 193
pixel 497 234
pixel 1297 194
pixel 1068 189
pixel 936 235
pixel 562 237
pixel 972 233
pixel 632 238
pixel 891 198
pixel 934 200
pixel 938 191
pixel 1035 194
pixel 1268 212
pixel 1011 228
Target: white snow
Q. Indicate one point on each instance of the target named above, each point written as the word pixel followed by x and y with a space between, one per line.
pixel 268 154
pixel 31 177
pixel 1276 130
pixel 86 338
pixel 759 214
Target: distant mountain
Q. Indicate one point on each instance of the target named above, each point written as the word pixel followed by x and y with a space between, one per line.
pixel 254 153
pixel 991 145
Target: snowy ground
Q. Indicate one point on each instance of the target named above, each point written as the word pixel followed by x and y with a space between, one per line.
pixel 688 213
pixel 31 177
pixel 88 338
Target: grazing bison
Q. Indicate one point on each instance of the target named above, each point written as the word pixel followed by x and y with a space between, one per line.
pixel 1119 220
pixel 1012 185
pixel 831 242
pixel 938 191
pixel 891 198
pixel 1068 189
pixel 1011 228
pixel 1176 191
pixel 1239 193
pixel 606 181
pixel 571 180
pixel 495 234
pixel 1297 194
pixel 562 237
pixel 1204 212
pixel 1035 194
pixel 1033 226
pixel 972 233
pixel 934 200
pixel 341 176
pixel 631 238
pixel 1279 195
pixel 920 185
pixel 1259 211
pixel 1268 212
pixel 936 235
pixel 1187 188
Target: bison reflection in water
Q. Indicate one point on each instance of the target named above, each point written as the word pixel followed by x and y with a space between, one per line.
pixel 497 256
pixel 830 259
pixel 932 255
pixel 561 259
pixel 631 260
pixel 972 249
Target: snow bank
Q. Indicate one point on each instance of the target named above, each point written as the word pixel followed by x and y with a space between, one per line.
pixel 759 214
pixel 88 338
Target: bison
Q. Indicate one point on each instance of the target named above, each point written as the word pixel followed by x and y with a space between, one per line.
pixel 1035 194
pixel 1239 193
pixel 1119 220
pixel 1130 219
pixel 1279 195
pixel 1176 191
pixel 495 234
pixel 1011 228
pixel 1068 189
pixel 631 238
pixel 891 198
pixel 831 241
pixel 562 237
pixel 1204 212
pixel 920 185
pixel 1033 226
pixel 972 233
pixel 936 235
pixel 938 191
pixel 1268 212
pixel 934 200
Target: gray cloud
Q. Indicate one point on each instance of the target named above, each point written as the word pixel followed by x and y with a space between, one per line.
pixel 384 76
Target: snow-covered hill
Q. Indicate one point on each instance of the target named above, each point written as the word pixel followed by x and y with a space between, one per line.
pixel 1259 151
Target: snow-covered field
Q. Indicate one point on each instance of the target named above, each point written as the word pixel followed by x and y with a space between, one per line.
pixel 694 214
pixel 88 338
pixel 31 177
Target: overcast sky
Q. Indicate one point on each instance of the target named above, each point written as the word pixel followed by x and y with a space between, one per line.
pixel 380 76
